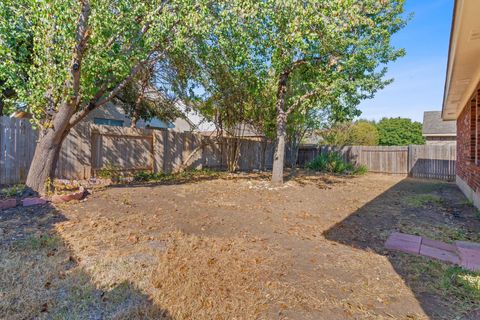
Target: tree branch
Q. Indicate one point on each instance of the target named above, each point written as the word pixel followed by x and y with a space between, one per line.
pixel 304 98
pixel 82 35
pixel 93 104
pixel 96 102
pixel 299 63
pixel 141 33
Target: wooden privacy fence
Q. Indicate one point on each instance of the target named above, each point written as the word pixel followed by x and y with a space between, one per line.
pixel 432 161
pixel 17 145
pixel 89 148
pixel 422 161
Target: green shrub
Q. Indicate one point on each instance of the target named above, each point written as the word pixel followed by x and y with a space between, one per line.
pixel 110 171
pixel 148 176
pixel 333 162
pixel 12 191
pixel 361 170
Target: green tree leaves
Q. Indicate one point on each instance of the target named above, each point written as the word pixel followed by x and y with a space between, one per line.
pixel 39 40
pixel 399 132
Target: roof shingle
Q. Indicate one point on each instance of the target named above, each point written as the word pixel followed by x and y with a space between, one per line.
pixel 433 124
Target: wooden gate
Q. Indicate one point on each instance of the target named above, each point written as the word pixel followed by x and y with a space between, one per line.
pixel 122 149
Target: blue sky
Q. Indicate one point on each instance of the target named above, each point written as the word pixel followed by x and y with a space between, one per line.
pixel 419 76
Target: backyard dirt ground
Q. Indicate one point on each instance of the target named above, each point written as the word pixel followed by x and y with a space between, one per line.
pixel 232 247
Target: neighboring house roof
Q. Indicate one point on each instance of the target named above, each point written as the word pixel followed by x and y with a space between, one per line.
pixel 463 69
pixel 434 125
pixel 242 130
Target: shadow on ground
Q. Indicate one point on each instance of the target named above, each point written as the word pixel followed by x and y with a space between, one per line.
pixel 429 208
pixel 40 276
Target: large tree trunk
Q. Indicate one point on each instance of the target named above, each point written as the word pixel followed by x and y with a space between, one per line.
pixel 42 169
pixel 279 157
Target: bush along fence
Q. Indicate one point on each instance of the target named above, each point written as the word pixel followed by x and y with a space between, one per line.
pixel 422 161
pixel 90 149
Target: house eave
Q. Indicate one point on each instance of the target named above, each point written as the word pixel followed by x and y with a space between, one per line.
pixel 439 134
pixel 463 68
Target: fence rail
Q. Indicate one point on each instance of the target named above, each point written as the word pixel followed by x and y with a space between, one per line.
pixel 422 161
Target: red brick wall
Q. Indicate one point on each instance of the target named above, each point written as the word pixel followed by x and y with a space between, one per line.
pixel 468 166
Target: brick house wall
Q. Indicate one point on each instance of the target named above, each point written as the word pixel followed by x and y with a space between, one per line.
pixel 468 144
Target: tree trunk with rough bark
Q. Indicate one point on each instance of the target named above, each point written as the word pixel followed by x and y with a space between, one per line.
pixel 279 157
pixel 44 163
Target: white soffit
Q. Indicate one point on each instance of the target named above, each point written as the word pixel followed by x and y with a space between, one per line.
pixel 463 70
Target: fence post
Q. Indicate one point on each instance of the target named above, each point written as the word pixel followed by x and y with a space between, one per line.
pixel 158 150
pixel 409 160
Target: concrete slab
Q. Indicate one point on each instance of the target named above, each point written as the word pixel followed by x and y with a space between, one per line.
pixel 438 244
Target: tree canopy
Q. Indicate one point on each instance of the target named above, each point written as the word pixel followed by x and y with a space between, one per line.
pixel 333 52
pixel 267 63
pixel 359 133
pixel 364 133
pixel 399 132
pixel 84 53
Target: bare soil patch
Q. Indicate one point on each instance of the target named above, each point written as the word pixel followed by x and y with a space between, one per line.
pixel 233 247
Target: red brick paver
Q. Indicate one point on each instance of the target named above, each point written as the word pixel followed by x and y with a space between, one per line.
pixel 404 242
pixel 469 254
pixel 8 203
pixel 463 253
pixel 27 202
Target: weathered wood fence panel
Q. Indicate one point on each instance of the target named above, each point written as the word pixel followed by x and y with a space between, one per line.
pixel 17 145
pixel 89 148
pixel 378 159
pixel 422 161
pixel 433 161
pixel 75 156
pixel 121 148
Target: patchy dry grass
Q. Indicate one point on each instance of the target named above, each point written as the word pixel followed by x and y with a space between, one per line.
pixel 423 200
pixel 210 278
pixel 232 247
pixel 216 278
pixel 41 279
pixel 459 286
pixel 443 233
